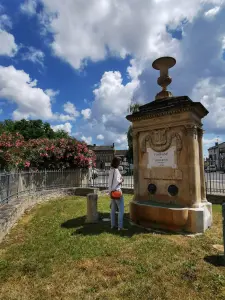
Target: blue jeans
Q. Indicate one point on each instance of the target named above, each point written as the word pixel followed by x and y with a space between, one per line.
pixel 120 205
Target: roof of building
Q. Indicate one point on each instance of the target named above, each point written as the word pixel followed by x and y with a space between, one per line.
pixel 101 148
pixel 217 146
pixel 121 152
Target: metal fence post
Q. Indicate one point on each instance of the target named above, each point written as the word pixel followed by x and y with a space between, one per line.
pixel 210 191
pixel 29 181
pixel 45 178
pixel 8 182
pixel 18 182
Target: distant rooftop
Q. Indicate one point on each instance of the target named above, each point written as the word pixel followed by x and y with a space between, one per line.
pixel 121 152
pixel 217 145
pixel 107 148
pixel 101 148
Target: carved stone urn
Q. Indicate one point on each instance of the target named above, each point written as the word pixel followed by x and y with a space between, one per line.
pixel 169 184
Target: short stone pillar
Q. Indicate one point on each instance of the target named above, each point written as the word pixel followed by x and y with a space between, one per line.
pixel 92 212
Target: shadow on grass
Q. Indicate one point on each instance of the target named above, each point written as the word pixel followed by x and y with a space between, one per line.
pixel 216 260
pixel 102 226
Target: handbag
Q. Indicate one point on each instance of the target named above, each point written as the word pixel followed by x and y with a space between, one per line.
pixel 117 194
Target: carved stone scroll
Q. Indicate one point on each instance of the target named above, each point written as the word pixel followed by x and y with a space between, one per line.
pixel 160 140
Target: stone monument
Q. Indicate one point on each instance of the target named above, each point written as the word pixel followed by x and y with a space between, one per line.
pixel 169 183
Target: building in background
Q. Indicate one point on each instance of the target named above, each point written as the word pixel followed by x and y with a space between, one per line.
pixel 122 154
pixel 217 155
pixel 104 155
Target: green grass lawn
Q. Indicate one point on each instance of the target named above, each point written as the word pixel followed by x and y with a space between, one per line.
pixel 52 254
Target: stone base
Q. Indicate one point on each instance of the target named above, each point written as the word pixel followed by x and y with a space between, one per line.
pixel 170 217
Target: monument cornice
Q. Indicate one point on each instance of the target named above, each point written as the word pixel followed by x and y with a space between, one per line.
pixel 168 106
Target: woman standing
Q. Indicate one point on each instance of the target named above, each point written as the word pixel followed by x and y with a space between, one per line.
pixel 114 183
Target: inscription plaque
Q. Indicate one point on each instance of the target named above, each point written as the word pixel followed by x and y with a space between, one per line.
pixel 162 159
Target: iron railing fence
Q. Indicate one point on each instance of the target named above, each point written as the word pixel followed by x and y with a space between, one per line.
pixel 215 176
pixel 100 177
pixel 14 184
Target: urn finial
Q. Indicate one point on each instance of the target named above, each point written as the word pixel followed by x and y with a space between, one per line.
pixel 163 64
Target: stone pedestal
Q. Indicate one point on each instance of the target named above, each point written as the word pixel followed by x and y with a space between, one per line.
pixel 169 190
pixel 92 212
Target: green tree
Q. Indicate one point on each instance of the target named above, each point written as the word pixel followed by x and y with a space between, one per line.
pixel 61 134
pixel 31 129
pixel 7 125
pixel 132 109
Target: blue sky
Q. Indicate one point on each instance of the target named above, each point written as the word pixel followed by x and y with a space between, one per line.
pixel 80 64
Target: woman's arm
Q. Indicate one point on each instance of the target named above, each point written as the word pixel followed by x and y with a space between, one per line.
pixel 110 179
pixel 119 177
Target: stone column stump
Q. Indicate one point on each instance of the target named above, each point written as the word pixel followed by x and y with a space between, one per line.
pixel 92 212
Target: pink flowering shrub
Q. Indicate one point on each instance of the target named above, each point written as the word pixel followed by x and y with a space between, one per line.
pixel 43 153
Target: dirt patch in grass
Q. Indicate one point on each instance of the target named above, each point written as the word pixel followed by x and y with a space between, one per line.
pixel 52 254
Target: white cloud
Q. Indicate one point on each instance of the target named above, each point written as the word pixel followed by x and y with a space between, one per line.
pixel 34 55
pixel 109 108
pixel 51 93
pixel 81 29
pixel 71 110
pixel 211 142
pixel 100 137
pixel 81 32
pixel 8 46
pixel 94 128
pixel 112 100
pixel 86 113
pixel 66 127
pixel 212 96
pixel 212 12
pixel 1 111
pixel 199 72
pixel 31 101
pixel 63 117
pixel 17 86
pixel 5 22
pixel 133 28
pixel 29 7
pixel 87 140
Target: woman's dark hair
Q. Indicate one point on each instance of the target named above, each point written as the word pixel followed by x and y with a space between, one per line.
pixel 115 162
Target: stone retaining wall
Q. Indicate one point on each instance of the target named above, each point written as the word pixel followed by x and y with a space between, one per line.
pixel 11 212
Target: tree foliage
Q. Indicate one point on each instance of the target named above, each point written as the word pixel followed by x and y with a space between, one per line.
pixel 31 129
pixel 132 109
pixel 130 145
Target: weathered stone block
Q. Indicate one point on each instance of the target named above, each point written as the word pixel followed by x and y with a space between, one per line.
pixel 92 212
